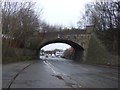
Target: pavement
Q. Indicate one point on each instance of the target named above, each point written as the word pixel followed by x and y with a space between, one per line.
pixel 11 71
pixel 58 73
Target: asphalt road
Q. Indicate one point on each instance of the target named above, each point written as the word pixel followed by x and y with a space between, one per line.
pixel 59 73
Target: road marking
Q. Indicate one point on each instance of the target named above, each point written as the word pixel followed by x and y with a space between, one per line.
pixel 76 85
pixel 46 63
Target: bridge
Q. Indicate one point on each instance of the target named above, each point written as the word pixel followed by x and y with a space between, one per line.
pixel 62 73
pixel 78 39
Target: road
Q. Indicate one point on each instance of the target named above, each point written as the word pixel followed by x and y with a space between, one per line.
pixel 59 73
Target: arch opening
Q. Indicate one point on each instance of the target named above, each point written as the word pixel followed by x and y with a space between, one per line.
pixel 78 50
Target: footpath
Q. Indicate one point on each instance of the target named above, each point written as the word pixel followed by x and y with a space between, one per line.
pixel 11 71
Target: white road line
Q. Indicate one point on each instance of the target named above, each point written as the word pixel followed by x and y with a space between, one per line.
pixel 46 63
pixel 58 73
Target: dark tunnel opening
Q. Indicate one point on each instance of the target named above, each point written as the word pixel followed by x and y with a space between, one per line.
pixel 78 54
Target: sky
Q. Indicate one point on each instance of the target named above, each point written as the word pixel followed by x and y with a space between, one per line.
pixel 65 13
pixel 53 46
pixel 62 12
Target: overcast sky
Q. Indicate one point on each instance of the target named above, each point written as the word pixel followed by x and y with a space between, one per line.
pixel 62 12
pixel 56 46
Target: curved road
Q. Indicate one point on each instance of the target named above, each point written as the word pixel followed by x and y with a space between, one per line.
pixel 58 73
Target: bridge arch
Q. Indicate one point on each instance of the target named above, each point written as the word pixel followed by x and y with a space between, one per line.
pixel 78 55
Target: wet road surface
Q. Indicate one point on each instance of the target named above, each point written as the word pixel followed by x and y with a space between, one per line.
pixel 61 73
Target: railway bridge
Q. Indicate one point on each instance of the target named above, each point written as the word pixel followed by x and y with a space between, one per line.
pixel 78 39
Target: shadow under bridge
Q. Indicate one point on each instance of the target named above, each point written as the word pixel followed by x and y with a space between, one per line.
pixel 78 50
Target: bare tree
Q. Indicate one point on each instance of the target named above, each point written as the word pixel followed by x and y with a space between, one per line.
pixel 103 15
pixel 19 23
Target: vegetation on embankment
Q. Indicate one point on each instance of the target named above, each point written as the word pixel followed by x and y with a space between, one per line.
pixel 21 30
pixel 105 42
pixel 69 53
pixel 12 54
pixel 103 48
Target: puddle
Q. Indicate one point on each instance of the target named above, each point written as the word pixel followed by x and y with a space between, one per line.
pixel 67 79
pixel 70 84
pixel 58 76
